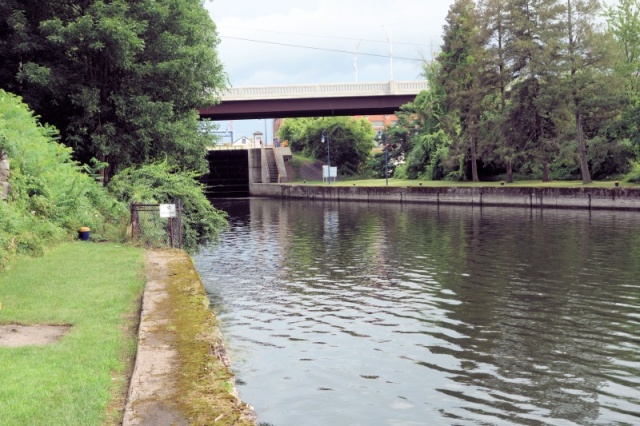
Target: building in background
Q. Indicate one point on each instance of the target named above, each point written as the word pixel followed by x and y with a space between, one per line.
pixel 379 122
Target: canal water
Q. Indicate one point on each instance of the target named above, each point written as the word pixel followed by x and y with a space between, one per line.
pixel 378 314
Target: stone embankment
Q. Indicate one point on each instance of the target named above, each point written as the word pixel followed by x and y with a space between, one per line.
pixel 614 198
pixel 181 374
pixel 4 176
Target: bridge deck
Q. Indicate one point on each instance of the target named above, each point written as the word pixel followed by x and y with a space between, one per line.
pixel 331 90
pixel 313 100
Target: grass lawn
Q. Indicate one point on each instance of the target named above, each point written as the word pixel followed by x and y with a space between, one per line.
pixel 81 379
pixel 441 183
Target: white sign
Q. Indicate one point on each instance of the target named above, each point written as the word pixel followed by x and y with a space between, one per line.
pixel 167 210
pixel 329 174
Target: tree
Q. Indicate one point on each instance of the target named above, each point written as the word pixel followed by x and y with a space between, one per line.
pixel 534 28
pixel 584 55
pixel 422 133
pixel 624 24
pixel 349 141
pixel 624 27
pixel 494 18
pixel 121 79
pixel 460 70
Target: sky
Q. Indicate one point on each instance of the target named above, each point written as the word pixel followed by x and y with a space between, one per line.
pixel 314 41
pixel 260 39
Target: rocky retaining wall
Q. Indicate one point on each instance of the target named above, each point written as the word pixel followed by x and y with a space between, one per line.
pixel 614 198
pixel 4 176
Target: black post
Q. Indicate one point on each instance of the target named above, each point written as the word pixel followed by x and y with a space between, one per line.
pixel 386 163
pixel 325 135
pixel 329 159
pixel 133 221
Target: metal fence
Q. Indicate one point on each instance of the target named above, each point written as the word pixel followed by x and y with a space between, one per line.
pixel 157 225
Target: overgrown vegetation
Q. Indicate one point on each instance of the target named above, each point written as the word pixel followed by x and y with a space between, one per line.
pixel 160 183
pixel 51 196
pixel 527 89
pixel 348 142
pixel 121 81
pixel 74 380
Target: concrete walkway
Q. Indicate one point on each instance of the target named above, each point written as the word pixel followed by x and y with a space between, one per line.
pixel 151 399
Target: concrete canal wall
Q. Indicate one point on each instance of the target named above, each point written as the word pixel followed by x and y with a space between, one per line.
pixel 614 198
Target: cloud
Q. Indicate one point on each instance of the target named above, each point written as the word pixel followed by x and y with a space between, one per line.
pixel 414 26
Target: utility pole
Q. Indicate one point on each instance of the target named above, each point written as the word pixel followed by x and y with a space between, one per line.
pixel 390 52
pixel 355 60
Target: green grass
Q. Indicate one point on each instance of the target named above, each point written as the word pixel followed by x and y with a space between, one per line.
pixel 298 160
pixel 95 288
pixel 440 183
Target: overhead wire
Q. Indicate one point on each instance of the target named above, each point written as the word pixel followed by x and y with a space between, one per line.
pixel 319 48
pixel 328 36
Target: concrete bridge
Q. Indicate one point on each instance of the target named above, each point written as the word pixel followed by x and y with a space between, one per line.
pixel 314 100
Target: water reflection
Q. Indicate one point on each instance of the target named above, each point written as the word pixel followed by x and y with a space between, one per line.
pixel 352 314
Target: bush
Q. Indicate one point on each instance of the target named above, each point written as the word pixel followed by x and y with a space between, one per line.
pixel 634 173
pixel 609 160
pixel 50 196
pixel 159 183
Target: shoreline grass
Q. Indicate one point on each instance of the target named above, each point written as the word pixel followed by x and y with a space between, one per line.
pixel 83 378
pixel 465 184
pixel 204 381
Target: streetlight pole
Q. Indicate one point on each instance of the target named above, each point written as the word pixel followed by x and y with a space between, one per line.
pixel 382 137
pixel 324 137
pixel 386 163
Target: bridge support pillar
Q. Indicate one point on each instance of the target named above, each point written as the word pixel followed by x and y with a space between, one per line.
pixel 255 165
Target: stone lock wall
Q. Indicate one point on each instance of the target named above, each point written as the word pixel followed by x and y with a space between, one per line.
pixel 612 198
pixel 4 176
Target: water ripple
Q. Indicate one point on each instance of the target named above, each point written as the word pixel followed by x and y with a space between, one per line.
pixel 397 314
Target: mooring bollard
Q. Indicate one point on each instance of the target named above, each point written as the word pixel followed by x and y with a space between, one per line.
pixel 83 233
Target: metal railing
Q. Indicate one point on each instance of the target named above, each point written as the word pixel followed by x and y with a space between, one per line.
pixel 324 90
pixel 149 229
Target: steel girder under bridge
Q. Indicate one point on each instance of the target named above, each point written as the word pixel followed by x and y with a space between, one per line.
pixel 315 100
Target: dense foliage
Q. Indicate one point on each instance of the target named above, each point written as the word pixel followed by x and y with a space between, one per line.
pixel 51 195
pixel 534 88
pixel 159 184
pixel 121 79
pixel 348 142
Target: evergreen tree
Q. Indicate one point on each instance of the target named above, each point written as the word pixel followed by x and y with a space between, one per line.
pixel 624 27
pixel 584 56
pixel 494 18
pixel 460 73
pixel 534 30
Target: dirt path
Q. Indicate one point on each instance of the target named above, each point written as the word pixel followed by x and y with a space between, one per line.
pixel 14 336
pixel 152 392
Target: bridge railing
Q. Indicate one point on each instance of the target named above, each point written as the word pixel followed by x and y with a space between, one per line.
pixel 325 90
